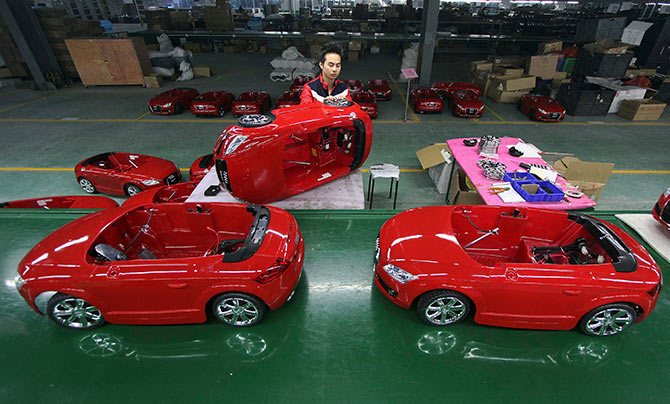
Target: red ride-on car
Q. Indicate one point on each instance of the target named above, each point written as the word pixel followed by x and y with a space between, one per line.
pixel 516 267
pixel 214 103
pixel 380 88
pixel 200 167
pixel 268 158
pixel 124 173
pixel 661 211
pixel 62 202
pixel 289 99
pixel 367 101
pixel 165 264
pixel 298 83
pixel 445 87
pixel 425 100
pixel 173 101
pixel 465 103
pixel 355 86
pixel 541 108
pixel 252 102
pixel 179 192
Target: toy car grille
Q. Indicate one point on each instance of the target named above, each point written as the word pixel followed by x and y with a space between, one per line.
pixel 554 115
pixel 156 108
pixel 172 178
pixel 471 111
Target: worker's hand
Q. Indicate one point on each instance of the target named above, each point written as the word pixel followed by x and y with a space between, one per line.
pixel 330 98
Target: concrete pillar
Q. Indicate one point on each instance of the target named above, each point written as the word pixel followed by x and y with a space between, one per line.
pixel 431 9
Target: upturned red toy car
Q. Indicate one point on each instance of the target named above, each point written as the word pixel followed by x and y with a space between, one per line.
pixel 289 98
pixel 661 211
pixel 252 102
pixel 212 103
pixel 541 108
pixel 445 87
pixel 355 86
pixel 298 83
pixel 380 88
pixel 267 158
pixel 200 167
pixel 516 267
pixel 165 264
pixel 174 193
pixel 367 101
pixel 124 173
pixel 62 202
pixel 425 100
pixel 173 101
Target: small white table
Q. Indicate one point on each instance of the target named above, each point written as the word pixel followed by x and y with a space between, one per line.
pixel 384 170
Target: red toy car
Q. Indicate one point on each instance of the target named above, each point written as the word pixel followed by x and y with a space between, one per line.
pixel 355 86
pixel 298 83
pixel 172 101
pixel 179 192
pixel 445 87
pixel 212 103
pixel 124 173
pixel 541 108
pixel 516 267
pixel 62 202
pixel 380 88
pixel 425 100
pixel 367 101
pixel 465 103
pixel 289 99
pixel 265 159
pixel 252 102
pixel 165 264
pixel 661 210
pixel 201 167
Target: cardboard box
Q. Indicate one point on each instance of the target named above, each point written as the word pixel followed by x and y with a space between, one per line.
pixel 202 71
pixel 589 177
pixel 506 83
pixel 560 75
pixel 153 81
pixel 437 159
pixel 548 47
pixel 505 97
pixel 485 80
pixel 641 110
pixel 556 83
pixel 640 72
pixel 542 66
pixel 607 47
pixel 355 45
pixel 634 32
pixel 481 66
pixel 460 193
pixel 353 56
pixel 508 60
pixel 508 70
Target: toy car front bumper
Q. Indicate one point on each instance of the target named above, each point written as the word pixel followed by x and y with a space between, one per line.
pixel 390 288
pixel 204 110
pixel 246 109
pixel 160 110
pixel 551 117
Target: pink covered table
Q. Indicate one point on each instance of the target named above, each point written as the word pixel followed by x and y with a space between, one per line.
pixel 467 158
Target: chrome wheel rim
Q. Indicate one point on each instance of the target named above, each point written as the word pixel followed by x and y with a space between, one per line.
pixel 100 345
pixel 247 344
pixel 133 191
pixel 436 343
pixel 445 310
pixel 87 185
pixel 254 119
pixel 609 321
pixel 237 311
pixel 76 313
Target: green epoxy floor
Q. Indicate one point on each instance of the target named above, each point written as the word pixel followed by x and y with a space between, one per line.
pixel 339 340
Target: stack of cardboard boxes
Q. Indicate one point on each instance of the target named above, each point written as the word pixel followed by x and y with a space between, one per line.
pixel 219 18
pixel 502 79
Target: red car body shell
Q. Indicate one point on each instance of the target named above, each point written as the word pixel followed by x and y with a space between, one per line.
pixel 381 89
pixel 355 86
pixel 298 83
pixel 367 101
pixel 506 287
pixel 542 108
pixel 304 147
pixel 661 211
pixel 175 287
pixel 445 87
pixel 252 102
pixel 288 99
pixel 62 202
pixel 182 96
pixel 111 172
pixel 200 167
pixel 214 103
pixel 425 100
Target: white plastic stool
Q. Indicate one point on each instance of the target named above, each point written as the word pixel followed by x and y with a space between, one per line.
pixel 385 170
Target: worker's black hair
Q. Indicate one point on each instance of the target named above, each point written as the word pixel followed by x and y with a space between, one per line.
pixel 330 48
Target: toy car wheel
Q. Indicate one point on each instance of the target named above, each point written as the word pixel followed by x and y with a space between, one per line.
pixel 610 319
pixel 132 189
pixel 255 120
pixel 443 307
pixel 73 312
pixel 238 309
pixel 87 185
pixel 178 109
pixel 221 111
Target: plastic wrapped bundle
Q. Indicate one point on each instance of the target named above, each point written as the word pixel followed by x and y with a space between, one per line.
pixel 281 75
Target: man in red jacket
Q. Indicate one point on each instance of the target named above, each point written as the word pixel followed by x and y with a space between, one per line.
pixel 326 87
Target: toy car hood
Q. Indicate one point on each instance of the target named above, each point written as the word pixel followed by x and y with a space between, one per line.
pixel 162 98
pixel 548 104
pixel 468 99
pixel 147 166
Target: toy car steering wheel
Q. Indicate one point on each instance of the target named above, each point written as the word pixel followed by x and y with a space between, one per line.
pixel 337 102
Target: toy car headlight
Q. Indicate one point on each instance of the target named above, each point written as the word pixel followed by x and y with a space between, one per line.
pixel 542 111
pixel 169 104
pixel 150 182
pixel 666 193
pixel 235 143
pixel 18 282
pixel 398 274
pixel 481 108
pixel 460 107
